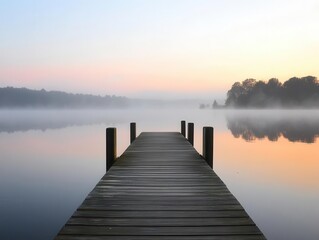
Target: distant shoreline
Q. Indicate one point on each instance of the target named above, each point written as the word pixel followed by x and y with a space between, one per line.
pixel 24 98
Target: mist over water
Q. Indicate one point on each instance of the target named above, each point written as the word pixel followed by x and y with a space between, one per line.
pixel 250 125
pixel 51 159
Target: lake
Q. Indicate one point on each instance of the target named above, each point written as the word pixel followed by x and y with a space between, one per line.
pixel 51 159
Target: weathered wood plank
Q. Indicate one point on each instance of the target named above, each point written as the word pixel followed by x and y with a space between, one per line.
pixel 233 237
pixel 159 231
pixel 159 214
pixel 134 207
pixel 163 202
pixel 161 222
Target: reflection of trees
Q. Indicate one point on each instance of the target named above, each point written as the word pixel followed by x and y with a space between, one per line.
pixel 252 128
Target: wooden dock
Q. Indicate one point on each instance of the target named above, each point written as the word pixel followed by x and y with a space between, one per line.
pixel 160 188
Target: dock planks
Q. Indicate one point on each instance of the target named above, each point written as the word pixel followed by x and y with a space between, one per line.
pixel 160 188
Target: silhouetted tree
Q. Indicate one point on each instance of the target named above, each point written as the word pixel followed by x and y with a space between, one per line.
pixel 234 93
pixel 215 104
pixel 299 92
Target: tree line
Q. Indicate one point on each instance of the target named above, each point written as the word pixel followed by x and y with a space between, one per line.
pixel 295 92
pixel 23 98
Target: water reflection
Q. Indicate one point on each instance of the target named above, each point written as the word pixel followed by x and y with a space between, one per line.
pixel 24 120
pixel 52 171
pixel 294 128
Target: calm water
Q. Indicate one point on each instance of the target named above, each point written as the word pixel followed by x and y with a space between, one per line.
pixel 50 160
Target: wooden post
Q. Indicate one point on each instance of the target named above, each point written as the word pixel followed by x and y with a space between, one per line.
pixel 133 131
pixel 110 147
pixel 208 145
pixel 183 128
pixel 190 135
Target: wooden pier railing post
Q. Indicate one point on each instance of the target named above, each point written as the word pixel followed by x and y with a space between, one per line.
pixel 183 128
pixel 190 133
pixel 110 147
pixel 208 145
pixel 133 131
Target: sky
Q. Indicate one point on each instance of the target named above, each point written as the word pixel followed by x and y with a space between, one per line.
pixel 155 49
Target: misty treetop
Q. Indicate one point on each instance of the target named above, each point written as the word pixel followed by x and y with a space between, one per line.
pixel 22 97
pixel 295 92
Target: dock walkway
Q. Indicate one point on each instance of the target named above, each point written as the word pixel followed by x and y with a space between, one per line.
pixel 160 188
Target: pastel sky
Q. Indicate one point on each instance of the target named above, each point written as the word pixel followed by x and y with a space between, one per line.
pixel 158 48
